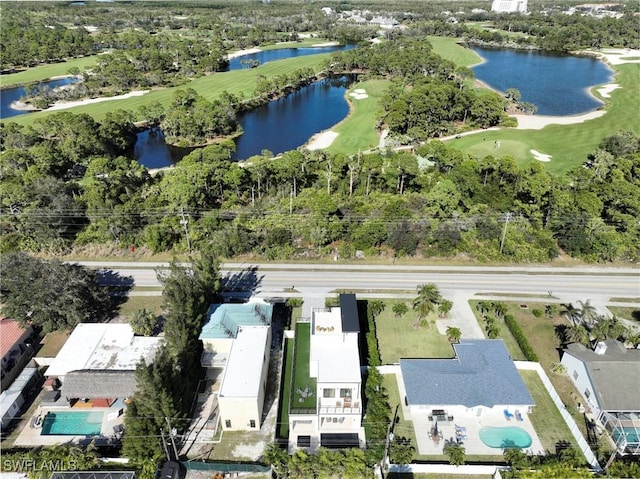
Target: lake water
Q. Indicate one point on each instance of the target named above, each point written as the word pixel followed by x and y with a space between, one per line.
pixel 9 95
pixel 151 150
pixel 287 123
pixel 282 53
pixel 555 84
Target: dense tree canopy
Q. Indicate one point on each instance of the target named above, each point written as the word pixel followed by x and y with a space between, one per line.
pixel 51 295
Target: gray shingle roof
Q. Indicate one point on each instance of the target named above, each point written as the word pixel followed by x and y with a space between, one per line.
pixel 91 383
pixel 481 374
pixel 615 374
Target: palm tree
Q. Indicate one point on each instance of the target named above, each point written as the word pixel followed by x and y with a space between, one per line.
pixel 453 334
pixel 587 312
pixel 444 308
pixel 493 330
pixel 425 302
pixel 456 453
pixel 483 307
pixel 376 307
pixel 570 311
pixel 499 309
pixel 578 333
pixel 400 309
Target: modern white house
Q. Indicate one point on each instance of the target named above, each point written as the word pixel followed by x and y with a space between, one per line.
pixel 509 6
pixel 608 379
pixel 237 344
pixel 98 361
pixel 325 400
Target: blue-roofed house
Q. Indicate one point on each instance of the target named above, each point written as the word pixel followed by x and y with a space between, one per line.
pixel 481 377
pixel 236 351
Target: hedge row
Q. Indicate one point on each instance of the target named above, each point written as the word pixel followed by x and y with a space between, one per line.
pixel 520 338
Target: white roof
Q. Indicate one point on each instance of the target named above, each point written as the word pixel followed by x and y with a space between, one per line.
pixel 337 357
pixel 103 346
pixel 244 366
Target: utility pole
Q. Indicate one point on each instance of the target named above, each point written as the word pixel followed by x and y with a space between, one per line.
pixel 504 231
pixel 383 464
pixel 172 435
pixel 164 445
pixel 185 222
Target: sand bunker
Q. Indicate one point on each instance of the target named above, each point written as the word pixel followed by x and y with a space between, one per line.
pixel 605 90
pixel 62 105
pixel 359 94
pixel 540 156
pixel 321 140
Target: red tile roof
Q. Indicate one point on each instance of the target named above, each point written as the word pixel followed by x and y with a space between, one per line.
pixel 10 334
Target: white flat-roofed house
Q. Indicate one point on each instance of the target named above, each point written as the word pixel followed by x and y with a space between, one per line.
pixel 509 6
pixel 244 383
pixel 326 407
pixel 98 361
pixel 236 344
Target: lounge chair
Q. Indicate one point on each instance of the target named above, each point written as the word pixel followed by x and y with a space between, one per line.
pixel 461 428
pixel 507 415
pixel 519 416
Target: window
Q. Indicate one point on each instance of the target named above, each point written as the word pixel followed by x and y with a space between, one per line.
pixel 227 423
pixel 575 375
pixel 345 393
pixel 252 423
pixel 329 393
pixel 587 393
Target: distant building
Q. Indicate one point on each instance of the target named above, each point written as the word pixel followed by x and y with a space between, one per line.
pixel 237 344
pixel 13 399
pixel 325 400
pixel 608 379
pixel 509 6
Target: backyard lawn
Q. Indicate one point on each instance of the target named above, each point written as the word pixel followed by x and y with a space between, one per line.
pixel 399 338
pixel 546 419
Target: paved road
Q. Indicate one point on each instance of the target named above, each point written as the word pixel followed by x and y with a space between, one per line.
pixel 581 286
pixel 314 282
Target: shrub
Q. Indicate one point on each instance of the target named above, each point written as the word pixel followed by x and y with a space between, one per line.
pixel 520 338
pixel 537 313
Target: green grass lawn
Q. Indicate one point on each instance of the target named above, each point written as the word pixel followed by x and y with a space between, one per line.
pixel 135 303
pixel 568 145
pixel 210 87
pixel 545 417
pixel 398 338
pixel 541 334
pixel 53 342
pixel 505 334
pixel 301 378
pixel 358 132
pixel 625 312
pixel 285 391
pixel 450 48
pixel 43 72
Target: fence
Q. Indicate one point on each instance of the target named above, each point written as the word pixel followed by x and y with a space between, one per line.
pixel 573 427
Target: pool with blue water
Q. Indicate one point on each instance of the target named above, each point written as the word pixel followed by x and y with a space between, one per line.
pixel 76 423
pixel 505 437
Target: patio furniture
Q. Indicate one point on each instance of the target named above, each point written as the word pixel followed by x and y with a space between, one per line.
pixel 460 428
pixel 519 416
pixel 507 415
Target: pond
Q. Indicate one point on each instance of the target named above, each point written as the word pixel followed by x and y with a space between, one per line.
pixel 9 95
pixel 262 57
pixel 289 122
pixel 555 84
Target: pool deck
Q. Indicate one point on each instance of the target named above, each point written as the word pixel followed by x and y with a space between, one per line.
pixel 31 435
pixel 473 444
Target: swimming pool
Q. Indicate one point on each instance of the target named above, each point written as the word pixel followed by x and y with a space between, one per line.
pixel 80 423
pixel 504 437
